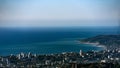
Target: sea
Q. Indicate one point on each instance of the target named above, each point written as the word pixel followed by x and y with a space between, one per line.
pixel 49 40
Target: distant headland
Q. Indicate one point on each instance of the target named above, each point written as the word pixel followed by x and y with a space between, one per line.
pixel 109 41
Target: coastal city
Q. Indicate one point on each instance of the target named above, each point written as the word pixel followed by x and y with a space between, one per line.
pixel 107 58
pixel 101 59
pixel 59 33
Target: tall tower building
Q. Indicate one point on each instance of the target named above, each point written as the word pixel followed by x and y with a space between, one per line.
pixel 80 52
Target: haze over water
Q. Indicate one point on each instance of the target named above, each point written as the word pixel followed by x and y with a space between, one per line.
pixel 60 24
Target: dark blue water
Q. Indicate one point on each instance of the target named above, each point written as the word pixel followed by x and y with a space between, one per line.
pixel 48 40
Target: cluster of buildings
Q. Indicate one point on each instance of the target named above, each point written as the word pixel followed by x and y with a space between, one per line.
pixel 63 60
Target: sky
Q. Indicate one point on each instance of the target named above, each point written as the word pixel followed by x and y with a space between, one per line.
pixel 47 13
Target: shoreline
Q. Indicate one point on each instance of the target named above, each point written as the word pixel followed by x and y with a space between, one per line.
pixel 94 44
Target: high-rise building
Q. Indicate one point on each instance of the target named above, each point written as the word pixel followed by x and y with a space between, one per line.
pixel 80 52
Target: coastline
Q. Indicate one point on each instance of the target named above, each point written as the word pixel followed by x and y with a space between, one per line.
pixel 93 44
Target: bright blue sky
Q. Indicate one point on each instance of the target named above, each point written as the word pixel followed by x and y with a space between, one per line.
pixel 54 12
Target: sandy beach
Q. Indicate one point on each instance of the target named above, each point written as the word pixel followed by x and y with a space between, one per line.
pixel 93 44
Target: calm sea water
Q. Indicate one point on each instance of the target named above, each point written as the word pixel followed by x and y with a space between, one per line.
pixel 48 40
